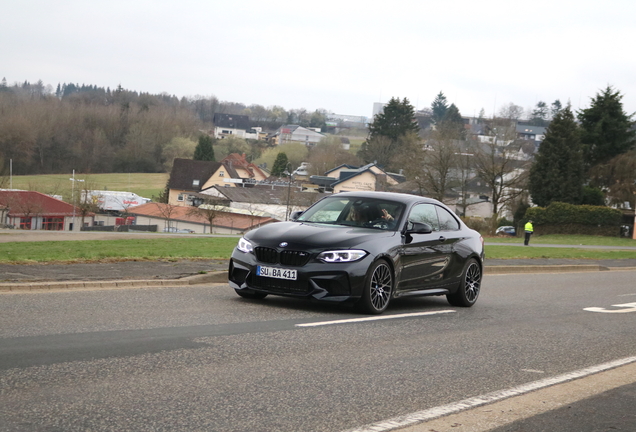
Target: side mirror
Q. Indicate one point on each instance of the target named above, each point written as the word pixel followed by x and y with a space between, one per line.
pixel 295 215
pixel 419 228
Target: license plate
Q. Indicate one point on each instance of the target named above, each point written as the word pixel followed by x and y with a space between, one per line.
pixel 277 273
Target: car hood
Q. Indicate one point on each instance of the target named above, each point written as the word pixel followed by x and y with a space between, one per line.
pixel 315 236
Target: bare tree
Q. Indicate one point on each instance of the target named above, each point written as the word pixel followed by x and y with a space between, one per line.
pixel 84 201
pixel 328 154
pixel 440 161
pixel 464 172
pixel 166 211
pixel 210 210
pixel 503 174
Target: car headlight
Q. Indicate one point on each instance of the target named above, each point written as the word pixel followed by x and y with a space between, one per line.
pixel 245 246
pixel 342 255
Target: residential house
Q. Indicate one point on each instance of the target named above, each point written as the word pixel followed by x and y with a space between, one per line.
pixel 243 169
pixel 295 133
pixel 476 202
pixel 36 211
pixel 277 199
pixel 369 177
pixel 226 125
pixel 189 177
pixel 4 210
pixel 225 221
pixel 532 133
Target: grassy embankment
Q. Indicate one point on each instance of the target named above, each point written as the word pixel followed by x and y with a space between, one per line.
pixel 143 184
pixel 221 248
pixel 117 250
pixel 511 252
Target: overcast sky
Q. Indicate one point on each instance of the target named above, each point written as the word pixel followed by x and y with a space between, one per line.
pixel 338 55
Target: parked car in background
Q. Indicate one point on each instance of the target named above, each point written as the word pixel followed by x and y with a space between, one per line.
pixel 176 230
pixel 506 230
pixel 362 247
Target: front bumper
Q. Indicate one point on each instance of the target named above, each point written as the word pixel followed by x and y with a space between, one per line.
pixel 335 282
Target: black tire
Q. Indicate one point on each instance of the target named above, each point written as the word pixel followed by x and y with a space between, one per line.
pixel 469 286
pixel 378 288
pixel 253 295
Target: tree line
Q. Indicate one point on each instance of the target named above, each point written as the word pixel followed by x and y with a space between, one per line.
pixel 587 157
pixel 97 130
pixel 584 159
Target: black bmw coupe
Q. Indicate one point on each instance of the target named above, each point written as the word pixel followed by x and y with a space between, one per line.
pixel 363 247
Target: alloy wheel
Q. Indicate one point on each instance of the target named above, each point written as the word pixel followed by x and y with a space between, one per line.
pixel 472 282
pixel 381 285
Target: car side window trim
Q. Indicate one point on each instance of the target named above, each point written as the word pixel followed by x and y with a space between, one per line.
pixel 447 221
pixel 425 213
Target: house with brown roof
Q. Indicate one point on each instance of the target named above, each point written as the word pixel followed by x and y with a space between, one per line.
pixel 32 210
pixel 224 221
pixel 276 199
pixel 369 177
pixel 189 177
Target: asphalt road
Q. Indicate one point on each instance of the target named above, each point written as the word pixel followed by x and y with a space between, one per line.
pixel 201 358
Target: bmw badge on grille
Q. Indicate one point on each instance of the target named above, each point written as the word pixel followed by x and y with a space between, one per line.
pixel 284 244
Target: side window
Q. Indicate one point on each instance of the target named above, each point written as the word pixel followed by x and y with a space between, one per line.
pixel 425 213
pixel 446 220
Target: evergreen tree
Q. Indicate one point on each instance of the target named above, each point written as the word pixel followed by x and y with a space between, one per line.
pixel 556 108
pixel 605 128
pixel 439 107
pixel 386 130
pixel 280 165
pixel 396 120
pixel 452 124
pixel 539 116
pixel 557 172
pixel 204 150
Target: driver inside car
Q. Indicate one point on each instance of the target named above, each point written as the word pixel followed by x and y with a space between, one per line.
pixel 369 215
pixel 358 215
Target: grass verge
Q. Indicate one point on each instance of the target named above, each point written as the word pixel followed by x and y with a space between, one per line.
pixel 116 250
pixel 563 239
pixel 221 248
pixel 516 252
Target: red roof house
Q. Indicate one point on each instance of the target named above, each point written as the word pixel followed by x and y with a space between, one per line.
pixel 225 221
pixel 35 210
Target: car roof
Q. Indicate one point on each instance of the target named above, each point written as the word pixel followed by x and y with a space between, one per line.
pixel 391 196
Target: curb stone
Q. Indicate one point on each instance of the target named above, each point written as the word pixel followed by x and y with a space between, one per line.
pixel 207 278
pixel 220 277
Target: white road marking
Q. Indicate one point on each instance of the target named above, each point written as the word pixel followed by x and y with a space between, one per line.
pixel 374 318
pixel 532 371
pixel 432 413
pixel 627 295
pixel 629 307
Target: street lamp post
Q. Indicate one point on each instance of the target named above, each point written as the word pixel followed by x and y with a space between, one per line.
pixel 73 180
pixel 289 180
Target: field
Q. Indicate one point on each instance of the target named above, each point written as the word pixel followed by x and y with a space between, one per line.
pixel 117 250
pixel 145 185
pixel 160 246
pixel 562 239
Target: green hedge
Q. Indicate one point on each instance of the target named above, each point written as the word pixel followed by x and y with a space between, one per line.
pixel 562 218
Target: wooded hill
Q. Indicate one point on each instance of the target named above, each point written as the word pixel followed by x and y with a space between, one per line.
pixel 93 129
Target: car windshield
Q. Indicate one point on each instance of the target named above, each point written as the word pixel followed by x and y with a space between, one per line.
pixel 351 211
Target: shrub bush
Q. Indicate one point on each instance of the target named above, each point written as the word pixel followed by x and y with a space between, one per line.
pixel 562 218
pixel 478 224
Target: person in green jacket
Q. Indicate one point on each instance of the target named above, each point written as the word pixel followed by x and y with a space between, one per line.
pixel 529 230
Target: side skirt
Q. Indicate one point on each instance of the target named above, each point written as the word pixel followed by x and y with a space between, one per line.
pixel 426 292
